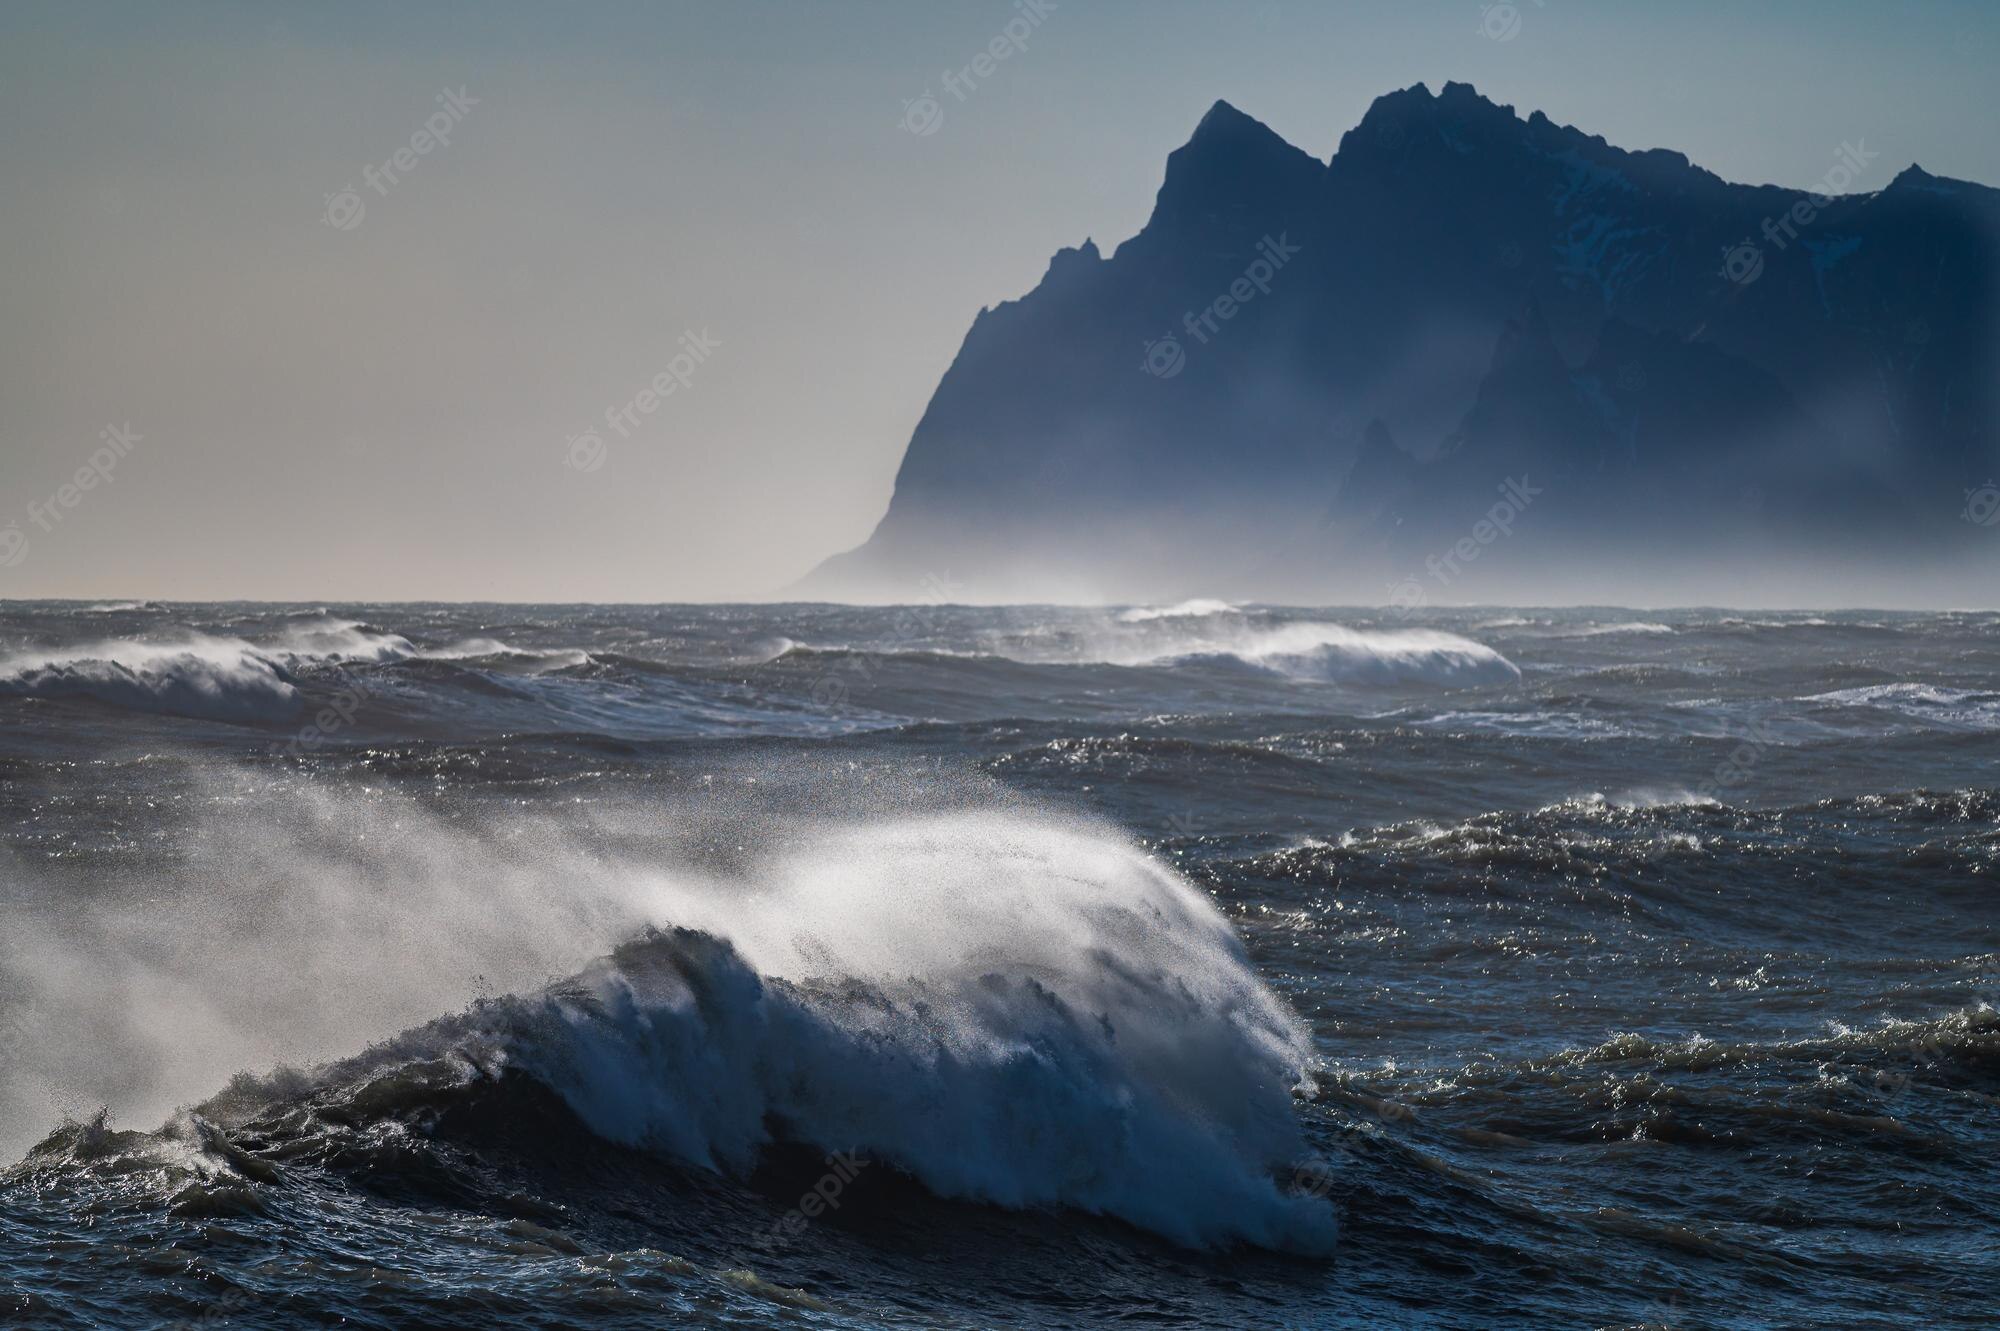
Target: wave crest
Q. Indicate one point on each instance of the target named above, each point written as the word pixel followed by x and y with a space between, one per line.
pixel 1331 653
pixel 1009 1007
pixel 199 675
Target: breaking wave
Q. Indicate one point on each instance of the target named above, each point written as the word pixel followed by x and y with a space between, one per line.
pixel 201 674
pixel 197 674
pixel 214 678
pixel 1199 608
pixel 1008 1007
pixel 1607 630
pixel 1936 704
pixel 1332 653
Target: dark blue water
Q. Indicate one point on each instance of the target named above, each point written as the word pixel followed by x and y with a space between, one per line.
pixel 469 966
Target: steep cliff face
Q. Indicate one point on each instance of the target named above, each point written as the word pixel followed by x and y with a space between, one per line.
pixel 1484 294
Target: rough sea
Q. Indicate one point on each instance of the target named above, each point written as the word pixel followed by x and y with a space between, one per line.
pixel 477 966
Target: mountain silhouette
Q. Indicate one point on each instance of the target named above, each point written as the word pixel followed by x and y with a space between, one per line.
pixel 1302 379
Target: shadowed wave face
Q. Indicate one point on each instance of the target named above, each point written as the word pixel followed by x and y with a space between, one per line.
pixel 1229 964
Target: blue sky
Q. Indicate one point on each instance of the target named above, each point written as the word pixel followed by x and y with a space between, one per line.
pixel 389 409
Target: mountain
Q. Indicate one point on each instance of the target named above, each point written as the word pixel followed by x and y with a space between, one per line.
pixel 1304 379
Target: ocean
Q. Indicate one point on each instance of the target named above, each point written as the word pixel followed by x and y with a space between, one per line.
pixel 465 966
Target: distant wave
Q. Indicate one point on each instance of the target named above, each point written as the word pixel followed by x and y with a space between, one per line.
pixel 1605 630
pixel 321 640
pixel 199 680
pixel 473 649
pixel 1308 652
pixel 1924 702
pixel 1333 653
pixel 1198 608
pixel 1542 723
pixel 196 674
pixel 1811 622
pixel 1644 798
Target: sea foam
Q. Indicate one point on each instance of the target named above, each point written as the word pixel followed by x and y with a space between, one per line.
pixel 1009 1006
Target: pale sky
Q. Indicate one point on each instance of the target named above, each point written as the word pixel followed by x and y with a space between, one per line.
pixel 383 410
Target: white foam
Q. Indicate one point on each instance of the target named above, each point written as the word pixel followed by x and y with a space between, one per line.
pixel 1605 630
pixel 185 673
pixel 1008 1006
pixel 1632 800
pixel 1011 1009
pixel 1199 608
pixel 473 649
pixel 1934 703
pixel 467 648
pixel 196 675
pixel 330 640
pixel 1306 651
pixel 1533 722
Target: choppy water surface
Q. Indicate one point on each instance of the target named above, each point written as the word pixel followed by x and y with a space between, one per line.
pixel 466 966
